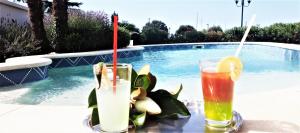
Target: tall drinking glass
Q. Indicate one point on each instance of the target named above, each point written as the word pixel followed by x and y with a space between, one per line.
pixel 113 107
pixel 217 88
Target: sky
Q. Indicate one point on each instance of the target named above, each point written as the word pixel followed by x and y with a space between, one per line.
pixel 174 13
pixel 210 12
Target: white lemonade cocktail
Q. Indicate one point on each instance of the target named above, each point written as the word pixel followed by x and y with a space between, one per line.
pixel 113 107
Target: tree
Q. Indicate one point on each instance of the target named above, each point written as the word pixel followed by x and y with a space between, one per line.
pixel 185 28
pixel 134 32
pixel 130 27
pixel 36 16
pixel 47 5
pixel 155 32
pixel 60 16
pixel 215 29
pixel 158 25
pixel 187 33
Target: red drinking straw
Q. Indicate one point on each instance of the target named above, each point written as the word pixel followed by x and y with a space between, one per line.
pixel 115 53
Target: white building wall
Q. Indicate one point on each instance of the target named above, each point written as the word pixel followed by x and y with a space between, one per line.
pixel 13 11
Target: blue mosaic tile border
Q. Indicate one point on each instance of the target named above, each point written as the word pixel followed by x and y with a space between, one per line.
pixel 20 76
pixel 90 60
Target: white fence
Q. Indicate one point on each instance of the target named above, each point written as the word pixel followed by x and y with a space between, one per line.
pixel 13 11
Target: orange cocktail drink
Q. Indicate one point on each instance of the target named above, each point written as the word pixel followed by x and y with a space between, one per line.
pixel 217 79
pixel 217 91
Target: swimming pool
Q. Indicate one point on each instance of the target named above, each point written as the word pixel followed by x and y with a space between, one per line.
pixel 265 68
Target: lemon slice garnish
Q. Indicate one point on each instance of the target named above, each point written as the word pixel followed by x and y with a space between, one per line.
pixel 106 80
pixel 231 64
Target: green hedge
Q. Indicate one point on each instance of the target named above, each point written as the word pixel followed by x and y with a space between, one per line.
pixel 90 31
pixel 279 32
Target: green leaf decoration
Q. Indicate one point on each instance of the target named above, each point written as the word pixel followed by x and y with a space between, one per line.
pixel 92 100
pixel 95 117
pixel 138 119
pixel 170 106
pixel 142 81
pixel 133 78
pixel 177 91
pixel 152 82
pixel 147 82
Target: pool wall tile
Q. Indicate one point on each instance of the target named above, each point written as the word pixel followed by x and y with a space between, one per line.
pixel 20 76
pixel 90 60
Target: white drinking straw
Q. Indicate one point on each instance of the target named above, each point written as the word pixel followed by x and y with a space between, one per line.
pixel 245 36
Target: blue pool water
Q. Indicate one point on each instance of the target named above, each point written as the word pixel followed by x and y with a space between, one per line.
pixel 265 68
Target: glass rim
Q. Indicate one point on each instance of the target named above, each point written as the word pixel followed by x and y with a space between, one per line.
pixel 211 59
pixel 119 65
pixel 210 64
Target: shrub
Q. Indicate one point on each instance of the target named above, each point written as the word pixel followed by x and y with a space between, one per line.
pixel 16 40
pixel 137 38
pixel 90 31
pixel 255 34
pixel 280 32
pixel 201 36
pixel 124 37
pixel 296 36
pixel 235 34
pixel 213 36
pixel 191 36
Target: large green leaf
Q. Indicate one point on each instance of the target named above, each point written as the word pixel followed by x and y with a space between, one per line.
pixel 92 101
pixel 147 82
pixel 95 117
pixel 133 78
pixel 152 82
pixel 142 81
pixel 138 119
pixel 177 91
pixel 170 106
